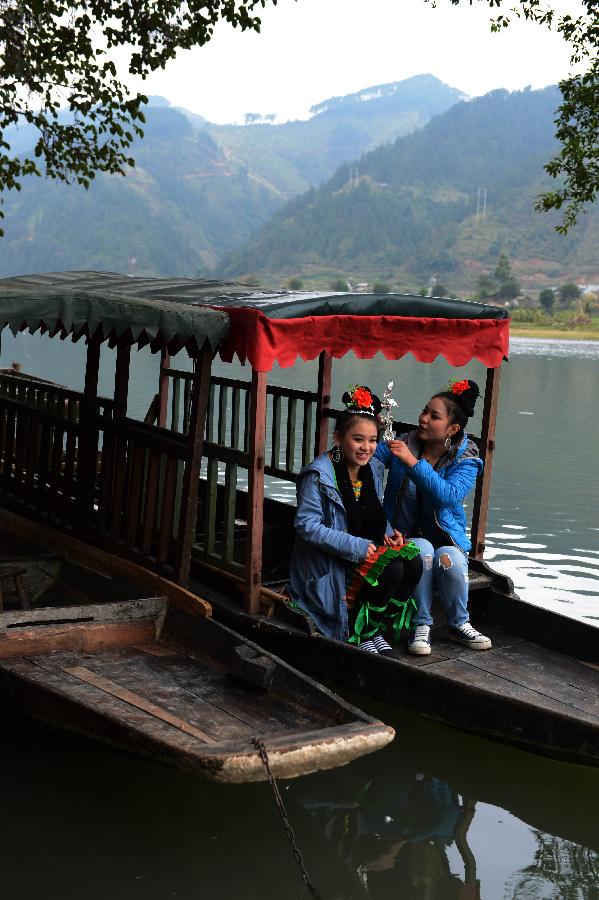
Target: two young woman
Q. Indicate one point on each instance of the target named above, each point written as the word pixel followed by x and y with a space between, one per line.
pixel 344 538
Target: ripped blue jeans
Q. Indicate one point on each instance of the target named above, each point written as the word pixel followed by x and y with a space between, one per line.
pixel 447 570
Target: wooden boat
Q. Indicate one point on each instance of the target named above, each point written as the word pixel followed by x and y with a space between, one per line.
pixel 537 688
pixel 103 646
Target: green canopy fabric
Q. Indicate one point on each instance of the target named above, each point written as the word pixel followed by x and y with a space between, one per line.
pixel 70 305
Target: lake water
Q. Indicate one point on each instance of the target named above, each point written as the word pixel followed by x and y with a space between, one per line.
pixel 438 814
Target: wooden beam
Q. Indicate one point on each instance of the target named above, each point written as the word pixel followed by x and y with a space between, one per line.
pixel 165 361
pixel 255 501
pixel 89 636
pixel 323 401
pixel 121 381
pixel 487 449
pixel 88 434
pixel 191 477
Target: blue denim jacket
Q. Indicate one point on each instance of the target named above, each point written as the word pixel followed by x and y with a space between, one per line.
pixel 444 488
pixel 323 547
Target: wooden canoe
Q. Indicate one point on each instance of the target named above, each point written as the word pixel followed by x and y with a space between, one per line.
pixel 120 661
pixel 538 688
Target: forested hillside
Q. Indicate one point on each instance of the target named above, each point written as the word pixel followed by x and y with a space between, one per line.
pixel 199 190
pixel 408 211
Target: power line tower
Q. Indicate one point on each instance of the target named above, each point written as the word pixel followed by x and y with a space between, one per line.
pixel 353 178
pixel 481 203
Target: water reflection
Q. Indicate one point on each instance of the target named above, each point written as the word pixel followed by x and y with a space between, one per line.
pixel 436 815
pixel 395 834
pixel 560 869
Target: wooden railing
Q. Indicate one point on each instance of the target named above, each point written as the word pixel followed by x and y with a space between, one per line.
pixel 125 496
pixel 139 488
pixel 47 396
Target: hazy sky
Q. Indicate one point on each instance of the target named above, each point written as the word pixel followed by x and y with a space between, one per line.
pixel 310 50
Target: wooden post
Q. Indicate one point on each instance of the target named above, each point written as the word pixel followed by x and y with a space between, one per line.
pixel 323 401
pixel 88 434
pixel 191 477
pixel 165 361
pixel 255 501
pixel 121 381
pixel 487 448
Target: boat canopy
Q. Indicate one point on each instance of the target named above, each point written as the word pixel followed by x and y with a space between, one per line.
pixel 91 303
pixel 260 327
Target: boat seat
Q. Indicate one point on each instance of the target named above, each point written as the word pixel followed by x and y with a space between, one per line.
pixel 16 574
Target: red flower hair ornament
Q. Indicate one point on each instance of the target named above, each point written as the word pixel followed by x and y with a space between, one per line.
pixel 458 387
pixel 360 399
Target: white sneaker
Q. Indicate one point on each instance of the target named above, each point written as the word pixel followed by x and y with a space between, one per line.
pixel 470 637
pixel 419 643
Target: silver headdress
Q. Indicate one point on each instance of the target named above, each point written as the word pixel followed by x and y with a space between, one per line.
pixel 386 414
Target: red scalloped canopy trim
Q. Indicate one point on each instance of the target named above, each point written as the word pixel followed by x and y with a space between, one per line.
pixel 263 341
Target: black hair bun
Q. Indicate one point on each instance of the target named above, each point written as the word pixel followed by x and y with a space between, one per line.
pixel 361 401
pixel 467 397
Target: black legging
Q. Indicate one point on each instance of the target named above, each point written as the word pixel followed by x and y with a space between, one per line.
pixel 396 578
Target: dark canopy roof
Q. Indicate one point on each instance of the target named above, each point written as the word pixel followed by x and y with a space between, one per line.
pixel 89 302
pixel 265 326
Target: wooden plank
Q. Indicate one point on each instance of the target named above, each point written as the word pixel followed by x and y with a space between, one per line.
pixel 121 381
pixel 255 499
pixel 157 650
pixel 82 636
pixel 307 442
pixel 175 404
pixel 471 672
pixel 165 360
pixel 150 497
pixel 235 414
pixel 9 449
pixel 480 507
pixel 119 609
pixel 119 496
pixel 323 401
pixel 115 690
pixel 88 436
pixel 136 474
pixel 276 431
pixel 291 430
pixel 191 476
pixel 187 383
pixel 54 475
pixel 68 478
pixel 160 682
pixel 222 416
pixel 541 679
pixel 230 499
pixel 165 533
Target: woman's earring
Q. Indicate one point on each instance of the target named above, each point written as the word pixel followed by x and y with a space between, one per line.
pixel 447 442
pixel 336 454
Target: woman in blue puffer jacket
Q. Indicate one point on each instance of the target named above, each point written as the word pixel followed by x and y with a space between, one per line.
pixel 431 471
pixel 344 550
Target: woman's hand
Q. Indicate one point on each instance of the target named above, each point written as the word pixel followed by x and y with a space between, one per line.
pixel 394 540
pixel 401 450
pixel 371 553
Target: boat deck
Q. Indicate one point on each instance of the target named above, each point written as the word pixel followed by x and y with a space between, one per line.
pixel 519 691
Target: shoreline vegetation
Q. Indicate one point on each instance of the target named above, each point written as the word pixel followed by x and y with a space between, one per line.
pixel 562 334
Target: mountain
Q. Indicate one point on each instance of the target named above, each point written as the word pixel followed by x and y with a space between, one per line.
pixel 297 155
pixel 408 211
pixel 199 190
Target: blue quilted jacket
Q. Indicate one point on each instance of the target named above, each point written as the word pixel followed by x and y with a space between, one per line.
pixel 323 546
pixel 444 488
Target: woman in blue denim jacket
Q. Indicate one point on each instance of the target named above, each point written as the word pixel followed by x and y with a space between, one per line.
pixel 431 471
pixel 340 523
